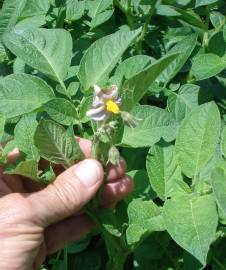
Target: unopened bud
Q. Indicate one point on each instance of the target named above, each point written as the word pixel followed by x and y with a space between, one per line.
pixel 113 156
pixel 129 120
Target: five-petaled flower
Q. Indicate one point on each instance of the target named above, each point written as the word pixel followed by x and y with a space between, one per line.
pixel 105 103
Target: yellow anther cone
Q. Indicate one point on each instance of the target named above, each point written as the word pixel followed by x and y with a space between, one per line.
pixel 112 107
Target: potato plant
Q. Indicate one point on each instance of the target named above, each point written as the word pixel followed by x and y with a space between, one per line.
pixel 142 79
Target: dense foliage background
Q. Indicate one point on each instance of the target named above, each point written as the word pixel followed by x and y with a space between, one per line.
pixel 168 58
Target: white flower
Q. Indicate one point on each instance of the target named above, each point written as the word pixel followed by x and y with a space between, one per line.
pixel 105 103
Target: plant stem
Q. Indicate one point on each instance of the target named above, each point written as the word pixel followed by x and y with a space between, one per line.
pixel 110 239
pixel 206 34
pixel 116 251
pixel 81 129
pixel 65 258
pixel 57 259
pixel 127 13
pixel 65 88
pixel 119 6
pixel 218 263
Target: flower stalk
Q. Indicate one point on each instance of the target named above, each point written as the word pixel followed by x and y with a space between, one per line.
pixel 105 112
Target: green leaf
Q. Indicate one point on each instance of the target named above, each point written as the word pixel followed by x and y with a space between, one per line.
pixel 217 45
pixel 189 16
pixel 22 93
pixel 183 102
pixel 34 22
pixel 135 234
pixel 3 53
pixel 135 88
pixel 47 50
pixel 83 107
pixel 186 100
pixel 217 161
pixel 163 171
pixel 19 66
pixel 218 181
pixel 197 138
pixel 28 168
pixel 56 144
pixel 36 7
pixel 61 111
pixel 73 88
pixel 101 18
pixel 24 136
pixel 223 142
pixel 99 11
pixel 102 56
pixel 200 3
pixel 155 123
pixel 9 14
pixel 2 125
pixel 192 221
pixel 74 10
pixel 142 187
pixel 156 251
pixel 207 65
pixel 131 66
pixel 217 19
pixel 184 48
pixel 108 220
pixel 141 223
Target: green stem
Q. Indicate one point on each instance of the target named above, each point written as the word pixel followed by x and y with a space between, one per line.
pixel 116 247
pixel 127 13
pixel 65 88
pixel 57 259
pixel 60 18
pixel 110 238
pixel 119 6
pixel 81 129
pixel 218 263
pixel 65 258
pixel 144 31
pixel 206 33
pixel 190 79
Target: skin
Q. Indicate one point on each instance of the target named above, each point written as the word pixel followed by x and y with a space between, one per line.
pixel 36 221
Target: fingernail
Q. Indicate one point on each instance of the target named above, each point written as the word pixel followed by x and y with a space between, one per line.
pixel 89 172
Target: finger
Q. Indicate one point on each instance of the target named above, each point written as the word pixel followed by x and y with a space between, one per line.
pixel 116 191
pixel 13 155
pixel 32 186
pixel 68 193
pixel 116 172
pixel 12 181
pixel 67 231
pixel 85 145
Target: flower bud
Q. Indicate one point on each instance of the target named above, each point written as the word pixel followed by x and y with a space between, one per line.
pixel 113 155
pixel 129 120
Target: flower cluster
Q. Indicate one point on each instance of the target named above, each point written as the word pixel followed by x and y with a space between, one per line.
pixel 106 102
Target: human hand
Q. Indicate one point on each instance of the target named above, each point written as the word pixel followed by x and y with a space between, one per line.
pixel 36 221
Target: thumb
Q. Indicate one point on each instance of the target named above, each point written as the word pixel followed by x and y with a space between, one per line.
pixel 68 193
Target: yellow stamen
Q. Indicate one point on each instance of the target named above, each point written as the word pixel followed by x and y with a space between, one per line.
pixel 112 107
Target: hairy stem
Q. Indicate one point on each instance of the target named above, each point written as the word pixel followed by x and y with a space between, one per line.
pixel 127 12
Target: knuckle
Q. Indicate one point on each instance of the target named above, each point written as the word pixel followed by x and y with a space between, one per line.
pixel 15 208
pixel 69 194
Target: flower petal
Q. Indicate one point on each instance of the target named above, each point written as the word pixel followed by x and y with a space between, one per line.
pixel 98 114
pixel 97 102
pixel 97 89
pixel 111 93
